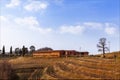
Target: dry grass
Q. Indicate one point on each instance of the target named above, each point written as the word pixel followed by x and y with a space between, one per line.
pixel 111 55
pixel 6 71
pixel 66 68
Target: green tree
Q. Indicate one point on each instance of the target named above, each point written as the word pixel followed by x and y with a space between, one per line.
pixel 32 49
pixel 3 51
pixel 102 46
pixel 11 50
pixel 0 51
pixel 26 50
pixel 17 50
pixel 23 51
pixel 20 52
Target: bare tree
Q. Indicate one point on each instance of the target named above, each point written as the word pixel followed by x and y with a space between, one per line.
pixel 102 46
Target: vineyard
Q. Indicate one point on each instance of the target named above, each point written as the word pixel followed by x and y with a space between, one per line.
pixel 66 68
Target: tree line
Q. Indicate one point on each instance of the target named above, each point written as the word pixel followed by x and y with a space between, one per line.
pixel 102 47
pixel 18 51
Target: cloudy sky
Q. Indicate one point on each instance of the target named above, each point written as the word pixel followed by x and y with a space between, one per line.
pixel 59 24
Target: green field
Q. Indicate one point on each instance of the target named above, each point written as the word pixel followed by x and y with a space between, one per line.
pixel 65 68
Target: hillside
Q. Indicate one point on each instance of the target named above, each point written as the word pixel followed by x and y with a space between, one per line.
pixel 111 55
pixel 66 68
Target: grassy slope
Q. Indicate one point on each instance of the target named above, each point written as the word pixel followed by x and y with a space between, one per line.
pixel 111 55
pixel 66 68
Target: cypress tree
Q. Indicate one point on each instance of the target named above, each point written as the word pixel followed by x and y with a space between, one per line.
pixel 3 51
pixel 0 51
pixel 23 51
pixel 11 50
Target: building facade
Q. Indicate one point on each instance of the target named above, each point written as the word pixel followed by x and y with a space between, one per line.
pixel 59 53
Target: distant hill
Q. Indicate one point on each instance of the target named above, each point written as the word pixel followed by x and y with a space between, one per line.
pixel 111 55
pixel 45 49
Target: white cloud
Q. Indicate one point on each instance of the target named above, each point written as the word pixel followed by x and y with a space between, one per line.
pixel 30 23
pixel 94 25
pixel 18 31
pixel 72 29
pixel 36 6
pixel 33 24
pixel 2 18
pixel 27 21
pixel 42 30
pixel 110 28
pixel 80 28
pixel 13 3
pixel 5 21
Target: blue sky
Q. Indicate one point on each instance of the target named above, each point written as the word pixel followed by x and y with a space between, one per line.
pixel 59 24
